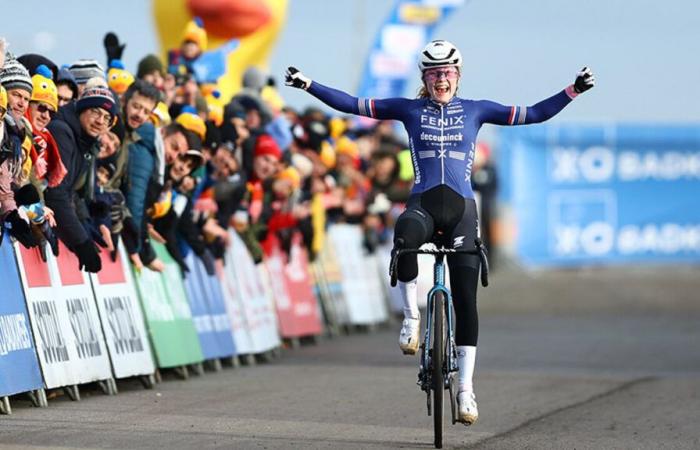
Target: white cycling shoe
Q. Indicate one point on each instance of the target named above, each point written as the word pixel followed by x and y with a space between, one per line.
pixel 409 337
pixel 466 408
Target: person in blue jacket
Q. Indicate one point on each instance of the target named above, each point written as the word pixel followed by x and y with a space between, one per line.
pixel 442 130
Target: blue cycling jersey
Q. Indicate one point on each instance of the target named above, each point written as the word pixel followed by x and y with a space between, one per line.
pixel 442 137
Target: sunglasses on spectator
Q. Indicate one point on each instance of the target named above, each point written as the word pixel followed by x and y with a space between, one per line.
pixel 449 73
pixel 42 108
pixel 64 99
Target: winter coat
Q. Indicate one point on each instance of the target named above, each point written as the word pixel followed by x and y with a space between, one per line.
pixel 78 152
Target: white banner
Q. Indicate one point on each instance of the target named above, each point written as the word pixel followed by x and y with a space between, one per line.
pixel 122 319
pixel 362 290
pixel 64 319
pixel 244 280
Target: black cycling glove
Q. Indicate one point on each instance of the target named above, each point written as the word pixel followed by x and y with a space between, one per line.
pixel 584 80
pixel 294 78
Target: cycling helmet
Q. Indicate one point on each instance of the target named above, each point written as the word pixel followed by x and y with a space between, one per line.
pixel 439 54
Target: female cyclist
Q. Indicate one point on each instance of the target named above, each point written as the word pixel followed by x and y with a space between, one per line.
pixel 442 130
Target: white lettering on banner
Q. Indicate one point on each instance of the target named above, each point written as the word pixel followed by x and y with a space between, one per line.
pixel 86 337
pixel 295 269
pixel 202 324
pixel 667 238
pixel 53 343
pixel 666 166
pixel 600 164
pixel 14 335
pixel 221 322
pixel 596 238
pixel 120 317
pixel 594 164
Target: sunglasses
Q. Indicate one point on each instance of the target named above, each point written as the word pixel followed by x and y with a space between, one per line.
pixel 42 108
pixel 449 73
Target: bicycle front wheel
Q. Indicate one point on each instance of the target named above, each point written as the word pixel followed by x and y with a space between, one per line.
pixel 438 375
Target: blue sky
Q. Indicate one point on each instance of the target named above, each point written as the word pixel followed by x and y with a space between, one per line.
pixel 644 52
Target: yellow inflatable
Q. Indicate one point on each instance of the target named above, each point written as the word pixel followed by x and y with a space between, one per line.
pixel 257 23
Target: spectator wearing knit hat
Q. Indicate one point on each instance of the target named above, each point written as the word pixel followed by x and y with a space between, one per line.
pixel 15 78
pixel 18 83
pixel 76 129
pixel 150 69
pixel 83 70
pixel 66 86
pixel 194 42
pixel 43 106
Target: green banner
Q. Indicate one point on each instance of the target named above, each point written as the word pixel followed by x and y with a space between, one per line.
pixel 167 312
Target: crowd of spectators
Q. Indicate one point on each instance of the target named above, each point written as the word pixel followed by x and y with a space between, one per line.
pixel 92 155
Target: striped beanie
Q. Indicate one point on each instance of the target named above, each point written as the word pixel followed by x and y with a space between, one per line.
pixel 14 75
pixel 84 69
pixel 97 97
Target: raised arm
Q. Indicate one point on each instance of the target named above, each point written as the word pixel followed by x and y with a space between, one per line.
pixel 492 112
pixel 384 109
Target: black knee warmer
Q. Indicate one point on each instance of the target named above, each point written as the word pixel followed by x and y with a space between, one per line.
pixel 463 283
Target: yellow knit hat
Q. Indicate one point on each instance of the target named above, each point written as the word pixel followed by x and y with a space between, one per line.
pixel 118 78
pixel 43 88
pixel 195 32
pixel 337 126
pixel 327 155
pixel 292 175
pixel 192 122
pixel 346 146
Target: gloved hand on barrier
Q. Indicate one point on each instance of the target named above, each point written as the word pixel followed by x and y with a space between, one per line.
pixel 50 237
pixel 88 256
pixel 19 229
pixel 294 78
pixel 584 80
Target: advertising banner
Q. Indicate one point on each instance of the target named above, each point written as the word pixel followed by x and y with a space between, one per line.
pixel 362 289
pixel 208 313
pixel 605 194
pixel 122 321
pixel 18 361
pixel 257 306
pixel 63 313
pixel 328 263
pixel 168 316
pixel 394 54
pixel 290 286
pixel 234 308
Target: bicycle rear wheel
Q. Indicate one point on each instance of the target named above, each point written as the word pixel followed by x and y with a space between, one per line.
pixel 438 375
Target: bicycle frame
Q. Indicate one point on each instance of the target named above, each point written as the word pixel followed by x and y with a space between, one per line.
pixel 450 360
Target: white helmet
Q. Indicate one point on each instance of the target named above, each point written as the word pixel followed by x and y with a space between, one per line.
pixel 439 54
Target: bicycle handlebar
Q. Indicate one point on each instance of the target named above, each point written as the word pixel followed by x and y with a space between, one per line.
pixel 480 251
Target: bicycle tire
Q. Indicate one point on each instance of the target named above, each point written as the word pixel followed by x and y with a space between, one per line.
pixel 438 376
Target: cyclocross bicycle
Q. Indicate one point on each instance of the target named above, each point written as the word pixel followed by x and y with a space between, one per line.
pixel 438 363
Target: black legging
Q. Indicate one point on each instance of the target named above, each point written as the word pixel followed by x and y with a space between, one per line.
pixel 443 216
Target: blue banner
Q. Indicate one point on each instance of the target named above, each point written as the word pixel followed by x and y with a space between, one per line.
pixel 604 194
pixel 214 297
pixel 208 313
pixel 393 57
pixel 19 367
